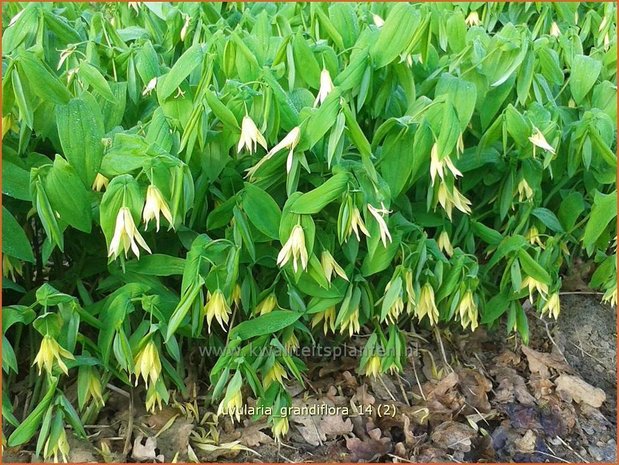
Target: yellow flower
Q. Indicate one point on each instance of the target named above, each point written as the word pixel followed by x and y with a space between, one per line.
pixel 100 183
pixel 280 428
pixel 427 306
pixel 126 236
pixel 552 307
pixel 217 307
pixel 294 249
pixel 11 267
pixel 154 206
pixel 329 265
pixel 468 311
pixel 328 317
pixel 525 193
pixel 538 140
pixel 59 445
pixel 150 86
pixel 94 390
pixel 378 213
pixel 268 304
pixel 534 285
pixel 449 199
pixel 49 352
pixel 378 21
pixel 554 30
pixel 289 142
pixel 356 224
pixel 437 167
pixel 185 27
pixel 351 323
pixel 372 367
pixel 533 237
pixel 610 296
pixel 410 292
pixel 396 310
pixel 444 243
pixel 275 373
pixel 326 86
pixel 231 405
pixel 250 136
pixel 153 398
pixel 9 124
pixel 292 343
pixel 147 364
pixel 236 295
pixel 472 19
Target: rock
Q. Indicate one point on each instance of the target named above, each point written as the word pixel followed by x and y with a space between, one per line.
pixel 571 387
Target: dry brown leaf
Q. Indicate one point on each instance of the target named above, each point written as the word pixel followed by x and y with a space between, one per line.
pixel 526 444
pixel 454 436
pixel 368 450
pixel 511 387
pixel 475 387
pixel 540 362
pixel 570 387
pixel 252 435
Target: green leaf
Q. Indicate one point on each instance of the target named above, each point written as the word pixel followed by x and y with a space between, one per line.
pixel 29 427
pixel 583 74
pixel 548 218
pixel 68 195
pixel 42 80
pixel 604 210
pixel 262 211
pixel 94 78
pixel 183 67
pixel 264 324
pixel 395 35
pixel 312 202
pixel 15 243
pixel 80 128
pixel 532 268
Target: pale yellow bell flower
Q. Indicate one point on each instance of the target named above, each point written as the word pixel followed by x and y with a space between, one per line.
pixel 327 317
pixel 372 367
pixel 356 224
pixel 444 243
pixel 378 21
pixel 326 86
pixel 472 19
pixel 148 89
pixel 329 266
pixel 49 353
pixel 395 310
pixel 438 167
pixel 280 428
pixel 147 364
pixel 267 305
pixel 538 140
pixel 185 27
pixel 351 323
pixel 60 445
pixel 294 249
pixel 291 343
pixel 554 30
pixel 411 299
pixel 94 389
pixel 378 213
pixel 156 206
pixel 533 237
pixel 217 307
pixel 610 296
pixel 153 399
pixel 275 373
pixel 250 136
pixel 448 200
pixel 426 305
pixel 525 193
pixel 126 236
pixel 100 183
pixel 289 142
pixel 533 284
pixel 552 307
pixel 468 311
pixel 232 406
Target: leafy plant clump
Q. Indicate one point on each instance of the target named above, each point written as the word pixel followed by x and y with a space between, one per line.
pixel 256 178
